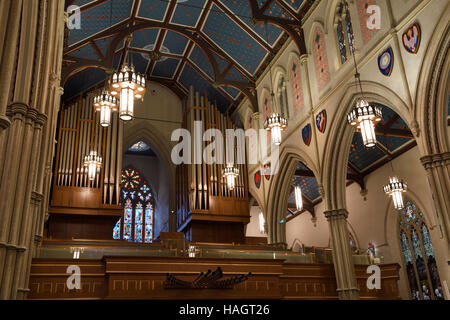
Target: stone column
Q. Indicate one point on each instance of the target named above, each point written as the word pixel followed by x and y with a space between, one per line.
pixel 342 256
pixel 26 145
pixel 8 55
pixel 437 167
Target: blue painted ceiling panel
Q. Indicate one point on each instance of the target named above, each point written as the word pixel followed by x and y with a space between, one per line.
pixel 86 50
pixel 362 157
pixel 231 91
pixel 175 42
pixel 199 58
pixel 83 80
pixel 275 10
pixel 294 4
pixel 97 19
pixel 145 39
pixel 242 11
pixel 103 44
pixel 165 68
pixel 234 40
pixel 190 77
pixel 153 10
pixel 139 62
pixel 188 12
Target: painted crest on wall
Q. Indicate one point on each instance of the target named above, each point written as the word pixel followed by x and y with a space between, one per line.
pixel 257 179
pixel 306 134
pixel 321 121
pixel 411 38
pixel 386 62
pixel 267 170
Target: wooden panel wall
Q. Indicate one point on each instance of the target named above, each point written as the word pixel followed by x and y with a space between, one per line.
pixel 143 278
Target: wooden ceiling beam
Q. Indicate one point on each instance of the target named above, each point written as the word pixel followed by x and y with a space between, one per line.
pixel 392 132
pixel 252 33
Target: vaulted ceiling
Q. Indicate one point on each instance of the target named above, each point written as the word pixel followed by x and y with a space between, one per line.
pixel 220 47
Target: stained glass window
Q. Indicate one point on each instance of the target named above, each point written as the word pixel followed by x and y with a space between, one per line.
pixel 341 42
pixel 418 255
pixel 140 146
pixel 137 200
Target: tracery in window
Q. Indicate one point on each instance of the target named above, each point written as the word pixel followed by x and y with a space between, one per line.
pixel 344 31
pixel 418 255
pixel 137 209
pixel 283 97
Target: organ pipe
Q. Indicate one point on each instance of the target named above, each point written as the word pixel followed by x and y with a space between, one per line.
pixel 80 133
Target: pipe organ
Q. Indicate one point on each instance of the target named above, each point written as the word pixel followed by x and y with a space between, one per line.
pixel 206 209
pixel 79 134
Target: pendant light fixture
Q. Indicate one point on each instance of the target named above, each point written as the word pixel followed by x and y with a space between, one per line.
pixel 395 188
pixel 93 162
pixel 298 197
pixel 105 103
pixel 230 173
pixel 275 122
pixel 262 223
pixel 130 86
pixel 364 116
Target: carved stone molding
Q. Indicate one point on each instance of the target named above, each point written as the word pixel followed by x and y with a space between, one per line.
pixel 4 122
pixel 36 197
pixel 435 160
pixel 336 214
pixel 17 110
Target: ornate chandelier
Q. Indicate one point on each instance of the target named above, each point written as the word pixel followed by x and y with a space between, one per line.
pixel 298 197
pixel 230 173
pixel 131 86
pixel 363 117
pixel 105 103
pixel 395 188
pixel 276 123
pixel 93 162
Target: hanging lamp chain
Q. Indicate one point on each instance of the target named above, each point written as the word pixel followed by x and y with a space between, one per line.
pixel 272 94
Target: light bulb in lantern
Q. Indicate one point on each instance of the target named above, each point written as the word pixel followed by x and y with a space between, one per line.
pixel 230 174
pixel 105 103
pixel 131 86
pixel 262 222
pixel 276 123
pixel 93 162
pixel 364 117
pixel 395 188
pixel 298 198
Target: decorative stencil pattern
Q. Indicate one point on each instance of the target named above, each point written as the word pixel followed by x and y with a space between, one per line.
pixel 320 59
pixel 296 86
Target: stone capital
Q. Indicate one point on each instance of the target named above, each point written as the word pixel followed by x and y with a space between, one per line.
pixel 32 114
pixel 18 109
pixel 303 59
pixel 336 214
pixel 435 160
pixel 4 122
